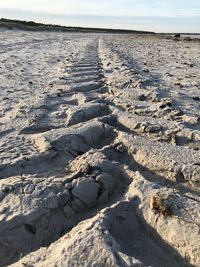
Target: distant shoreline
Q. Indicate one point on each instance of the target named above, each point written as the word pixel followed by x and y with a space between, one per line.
pixel 34 26
pixel 11 24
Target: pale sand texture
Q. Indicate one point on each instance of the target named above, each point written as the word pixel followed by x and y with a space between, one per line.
pixel 99 150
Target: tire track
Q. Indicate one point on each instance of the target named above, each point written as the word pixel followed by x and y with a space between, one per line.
pixel 97 159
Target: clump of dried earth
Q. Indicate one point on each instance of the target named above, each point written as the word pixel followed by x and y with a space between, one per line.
pixel 99 150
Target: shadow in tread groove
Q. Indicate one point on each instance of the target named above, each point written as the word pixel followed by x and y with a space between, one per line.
pixel 139 240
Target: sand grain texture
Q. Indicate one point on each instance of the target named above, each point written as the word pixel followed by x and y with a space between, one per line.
pixel 99 150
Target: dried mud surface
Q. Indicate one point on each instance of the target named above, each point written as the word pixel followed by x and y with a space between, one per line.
pixel 99 150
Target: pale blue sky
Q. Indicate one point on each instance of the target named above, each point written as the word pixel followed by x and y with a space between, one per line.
pixel 154 15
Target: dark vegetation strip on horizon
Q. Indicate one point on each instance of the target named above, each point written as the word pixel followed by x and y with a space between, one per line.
pixel 33 26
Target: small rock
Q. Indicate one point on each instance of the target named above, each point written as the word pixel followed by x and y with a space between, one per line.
pixel 86 190
pixel 7 188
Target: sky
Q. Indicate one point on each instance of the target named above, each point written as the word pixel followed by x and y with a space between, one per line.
pixel 152 15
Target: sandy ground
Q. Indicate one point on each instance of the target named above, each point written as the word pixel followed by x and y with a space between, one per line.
pixel 99 150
